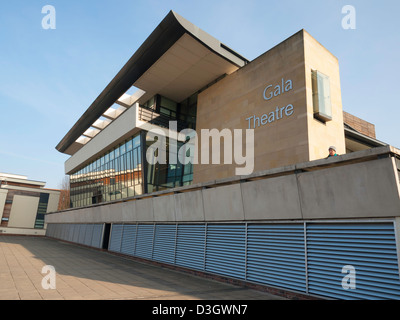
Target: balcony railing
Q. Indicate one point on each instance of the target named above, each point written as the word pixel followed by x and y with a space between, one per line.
pixel 150 115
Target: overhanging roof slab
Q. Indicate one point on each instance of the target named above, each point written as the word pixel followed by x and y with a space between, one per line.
pixel 176 60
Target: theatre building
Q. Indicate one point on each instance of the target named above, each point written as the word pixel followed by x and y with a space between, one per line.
pixel 199 159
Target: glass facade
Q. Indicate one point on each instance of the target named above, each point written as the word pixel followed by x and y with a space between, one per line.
pixel 115 175
pixel 124 172
pixel 169 175
pixel 42 209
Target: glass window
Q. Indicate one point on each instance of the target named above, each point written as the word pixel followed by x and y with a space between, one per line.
pixel 136 141
pixel 122 149
pixel 321 96
pixel 109 176
pixel 129 145
pixel 168 104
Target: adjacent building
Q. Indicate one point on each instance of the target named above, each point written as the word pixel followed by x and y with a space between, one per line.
pixel 24 203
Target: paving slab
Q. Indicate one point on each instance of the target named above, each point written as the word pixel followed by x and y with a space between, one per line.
pixel 83 273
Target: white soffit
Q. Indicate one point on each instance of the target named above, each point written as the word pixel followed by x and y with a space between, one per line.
pixel 184 69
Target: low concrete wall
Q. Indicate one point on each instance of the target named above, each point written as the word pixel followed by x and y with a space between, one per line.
pixel 357 185
pixel 22 231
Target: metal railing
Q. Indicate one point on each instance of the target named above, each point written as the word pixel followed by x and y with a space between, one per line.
pixel 150 115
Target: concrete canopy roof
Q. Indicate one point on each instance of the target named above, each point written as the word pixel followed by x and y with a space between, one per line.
pixel 176 60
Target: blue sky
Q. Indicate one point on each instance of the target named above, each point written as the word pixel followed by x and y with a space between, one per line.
pixel 48 78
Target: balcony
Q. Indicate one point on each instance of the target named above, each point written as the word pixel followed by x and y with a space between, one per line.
pixel 150 115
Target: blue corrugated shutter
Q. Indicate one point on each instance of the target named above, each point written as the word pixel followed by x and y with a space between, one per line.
pixel 144 241
pixel 115 238
pixel 97 237
pixel 70 232
pixel 275 255
pixel 369 247
pixel 128 239
pixel 164 243
pixel 225 250
pixel 62 232
pixel 82 231
pixel 59 230
pixel 88 235
pixel 76 233
pixel 49 230
pixel 190 246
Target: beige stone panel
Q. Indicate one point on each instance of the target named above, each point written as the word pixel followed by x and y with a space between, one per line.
pixel 129 211
pixel 23 212
pixel 229 102
pixel 189 206
pixel 323 135
pixel 52 205
pixel 273 198
pixel 367 189
pixel 164 208
pixel 223 203
pixel 144 209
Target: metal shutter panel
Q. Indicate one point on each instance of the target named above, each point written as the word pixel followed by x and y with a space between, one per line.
pixel 70 232
pixel 59 231
pixel 88 235
pixel 128 239
pixel 226 250
pixel 82 231
pixel 49 230
pixel 164 243
pixel 97 237
pixel 144 241
pixel 62 232
pixel 190 246
pixel 275 255
pixel 369 247
pixel 77 227
pixel 115 238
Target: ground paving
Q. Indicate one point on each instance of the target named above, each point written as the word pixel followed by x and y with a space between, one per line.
pixel 83 273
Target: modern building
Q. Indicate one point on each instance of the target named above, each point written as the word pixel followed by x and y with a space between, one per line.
pixel 24 203
pixel 290 96
pixel 289 223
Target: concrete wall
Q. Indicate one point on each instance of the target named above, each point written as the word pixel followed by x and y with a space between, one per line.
pixel 3 196
pixel 23 231
pixel 54 197
pixel 357 185
pixel 23 212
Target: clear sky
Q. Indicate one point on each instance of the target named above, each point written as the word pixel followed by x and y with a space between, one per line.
pixel 49 77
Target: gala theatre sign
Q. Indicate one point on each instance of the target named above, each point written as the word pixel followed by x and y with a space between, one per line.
pixel 269 93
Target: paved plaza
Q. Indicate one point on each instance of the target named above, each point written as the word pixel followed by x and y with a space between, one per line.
pixel 86 274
